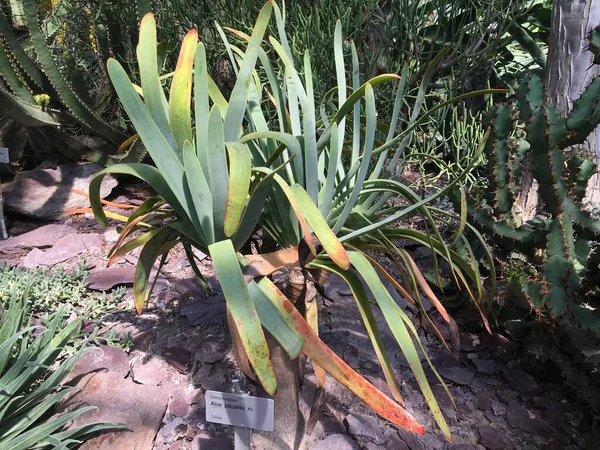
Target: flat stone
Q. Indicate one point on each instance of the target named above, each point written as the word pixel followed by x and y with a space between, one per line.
pixel 174 430
pixel 211 351
pixel 506 395
pixel 103 359
pixel 177 357
pixel 67 247
pixel 485 366
pixel 214 382
pixel 521 381
pixel 111 235
pixel 456 375
pixel 46 193
pixel 484 402
pixel 45 236
pixel 498 408
pixel 335 442
pixel 394 441
pixel 119 400
pixel 411 440
pixel 206 443
pixel 178 406
pixel 150 372
pixel 205 310
pixel 519 417
pixel 491 438
pixel 106 279
pixel 371 446
pixel 364 426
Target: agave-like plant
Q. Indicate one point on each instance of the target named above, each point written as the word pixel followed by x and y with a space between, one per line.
pixel 346 160
pixel 29 385
pixel 235 168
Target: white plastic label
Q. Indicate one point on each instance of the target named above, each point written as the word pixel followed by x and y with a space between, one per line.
pixel 4 155
pixel 240 410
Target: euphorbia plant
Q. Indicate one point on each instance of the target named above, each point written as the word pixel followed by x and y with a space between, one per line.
pixel 231 170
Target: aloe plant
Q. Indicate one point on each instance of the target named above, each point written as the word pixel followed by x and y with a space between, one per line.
pixel 31 387
pixel 236 168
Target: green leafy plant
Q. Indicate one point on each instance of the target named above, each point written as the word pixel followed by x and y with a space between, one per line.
pixel 32 368
pixel 59 290
pixel 264 161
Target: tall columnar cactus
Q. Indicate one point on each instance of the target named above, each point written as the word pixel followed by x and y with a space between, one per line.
pixel 26 77
pixel 558 239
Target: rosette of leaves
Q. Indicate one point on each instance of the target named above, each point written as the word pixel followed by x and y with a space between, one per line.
pixel 236 168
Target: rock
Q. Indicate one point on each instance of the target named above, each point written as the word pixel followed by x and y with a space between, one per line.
pixel 104 359
pixel 506 395
pixel 499 409
pixel 45 236
pixel 174 430
pixel 46 193
pixel 335 442
pixel 205 443
pixel 214 382
pixel 411 440
pixel 362 425
pixel 177 357
pixel 151 371
pixel 456 375
pixel 394 441
pixel 491 438
pixel 205 310
pixel 521 381
pixel 371 446
pixel 178 406
pixel 484 402
pixel 211 351
pixel 486 366
pixel 519 417
pixel 106 279
pixel 65 248
pixel 119 400
pixel 111 235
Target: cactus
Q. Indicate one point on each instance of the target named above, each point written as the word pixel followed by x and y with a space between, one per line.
pixel 558 238
pixel 34 92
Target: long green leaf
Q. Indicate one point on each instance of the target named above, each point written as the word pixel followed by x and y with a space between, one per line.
pixel 244 314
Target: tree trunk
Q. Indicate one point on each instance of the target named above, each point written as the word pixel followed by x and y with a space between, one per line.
pixel 569 71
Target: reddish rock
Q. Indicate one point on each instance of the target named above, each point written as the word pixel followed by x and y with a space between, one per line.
pixel 119 400
pixel 106 279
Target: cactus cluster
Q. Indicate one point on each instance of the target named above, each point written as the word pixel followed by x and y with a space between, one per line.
pixel 35 93
pixel 530 132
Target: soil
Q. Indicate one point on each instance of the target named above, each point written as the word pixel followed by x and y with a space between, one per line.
pixel 502 400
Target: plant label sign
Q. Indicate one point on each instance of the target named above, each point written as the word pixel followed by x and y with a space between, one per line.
pixel 4 155
pixel 240 410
